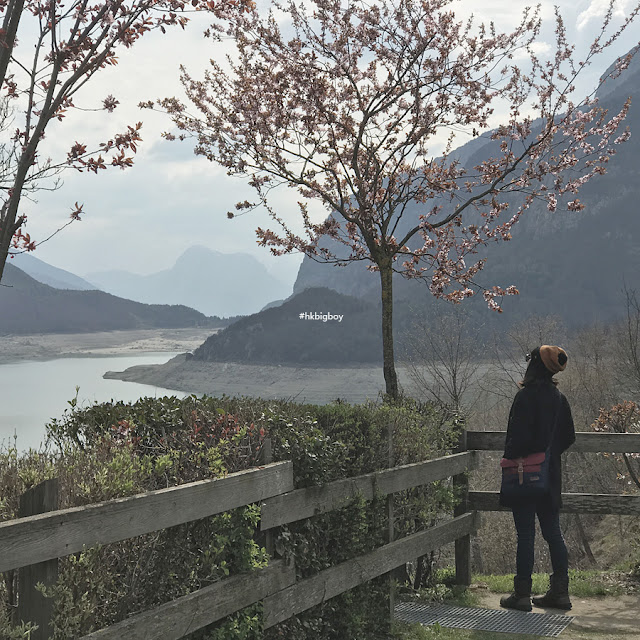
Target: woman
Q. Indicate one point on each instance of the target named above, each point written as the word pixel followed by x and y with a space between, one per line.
pixel 537 407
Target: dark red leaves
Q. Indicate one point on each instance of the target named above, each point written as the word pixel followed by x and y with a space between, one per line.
pixel 75 212
pixel 110 103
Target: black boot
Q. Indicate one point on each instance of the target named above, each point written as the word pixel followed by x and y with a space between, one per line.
pixel 558 595
pixel 521 597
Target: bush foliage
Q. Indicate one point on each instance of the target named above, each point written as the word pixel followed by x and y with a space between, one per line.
pixel 115 449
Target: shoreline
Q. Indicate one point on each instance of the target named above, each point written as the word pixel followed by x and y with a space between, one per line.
pixel 315 385
pixel 52 346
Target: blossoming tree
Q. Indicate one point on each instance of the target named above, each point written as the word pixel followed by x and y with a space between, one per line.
pixel 340 101
pixel 73 40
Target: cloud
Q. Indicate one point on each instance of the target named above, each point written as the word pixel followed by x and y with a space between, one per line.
pixel 598 9
pixel 543 51
pixel 143 218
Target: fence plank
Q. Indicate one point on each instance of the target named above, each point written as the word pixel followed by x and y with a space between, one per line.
pixel 37 538
pixel 311 501
pixel 347 575
pixel 32 605
pixel 196 610
pixel 606 442
pixel 602 503
pixel 586 441
pixel 463 544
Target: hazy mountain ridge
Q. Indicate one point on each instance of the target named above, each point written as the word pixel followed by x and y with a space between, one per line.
pixel 48 274
pixel 209 281
pixel 28 306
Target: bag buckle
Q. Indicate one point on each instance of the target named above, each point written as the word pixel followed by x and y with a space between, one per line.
pixel 520 472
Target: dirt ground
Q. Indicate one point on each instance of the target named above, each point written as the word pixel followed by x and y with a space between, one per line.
pixel 594 617
pixel 46 346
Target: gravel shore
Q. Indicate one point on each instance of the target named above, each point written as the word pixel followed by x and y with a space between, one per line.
pixel 47 346
pixel 301 384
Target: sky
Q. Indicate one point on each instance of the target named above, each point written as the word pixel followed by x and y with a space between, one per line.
pixel 142 219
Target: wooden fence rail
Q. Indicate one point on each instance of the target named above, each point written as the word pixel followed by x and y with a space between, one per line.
pixel 59 533
pixel 203 607
pixel 594 503
pixel 586 442
pixel 312 501
pixel 347 575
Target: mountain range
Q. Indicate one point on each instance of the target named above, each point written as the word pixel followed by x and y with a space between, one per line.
pixel 28 306
pixel 571 265
pixel 214 283
pixel 48 274
pixel 299 332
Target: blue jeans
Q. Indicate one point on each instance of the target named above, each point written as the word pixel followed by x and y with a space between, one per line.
pixel 524 517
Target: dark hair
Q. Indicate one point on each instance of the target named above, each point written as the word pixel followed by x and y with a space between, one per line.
pixel 536 371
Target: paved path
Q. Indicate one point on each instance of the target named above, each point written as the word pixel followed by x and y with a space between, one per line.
pixel 607 614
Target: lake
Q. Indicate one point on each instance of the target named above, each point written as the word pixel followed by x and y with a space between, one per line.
pixel 33 392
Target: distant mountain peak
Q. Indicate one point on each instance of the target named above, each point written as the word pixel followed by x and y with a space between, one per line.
pixel 48 274
pixel 198 252
pixel 215 283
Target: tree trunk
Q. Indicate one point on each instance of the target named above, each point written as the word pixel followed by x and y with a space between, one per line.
pixel 7 42
pixel 585 542
pixel 388 360
pixel 8 226
pixel 8 38
pixel 6 233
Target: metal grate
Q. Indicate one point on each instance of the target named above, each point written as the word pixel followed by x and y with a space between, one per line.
pixel 505 621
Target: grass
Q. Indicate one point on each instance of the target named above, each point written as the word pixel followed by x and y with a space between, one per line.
pixel 581 584
pixel 436 632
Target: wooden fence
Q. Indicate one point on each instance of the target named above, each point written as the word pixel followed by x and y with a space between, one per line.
pixel 42 538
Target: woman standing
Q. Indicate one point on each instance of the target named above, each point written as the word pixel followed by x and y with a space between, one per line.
pixel 538 411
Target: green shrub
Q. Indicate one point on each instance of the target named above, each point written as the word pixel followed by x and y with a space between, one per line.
pixel 15 632
pixel 116 449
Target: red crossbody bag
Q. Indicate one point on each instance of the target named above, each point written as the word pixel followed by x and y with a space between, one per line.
pixel 528 477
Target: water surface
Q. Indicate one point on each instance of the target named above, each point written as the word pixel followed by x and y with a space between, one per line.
pixel 33 392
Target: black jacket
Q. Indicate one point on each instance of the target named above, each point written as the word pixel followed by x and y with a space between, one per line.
pixel 530 426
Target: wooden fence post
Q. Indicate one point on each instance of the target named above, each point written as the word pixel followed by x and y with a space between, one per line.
pixel 32 605
pixel 462 545
pixel 391 516
pixel 267 458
